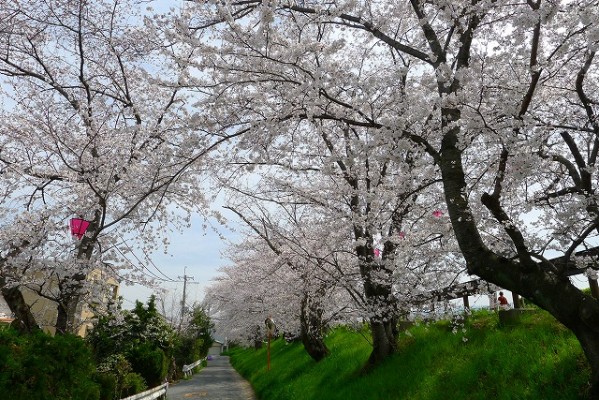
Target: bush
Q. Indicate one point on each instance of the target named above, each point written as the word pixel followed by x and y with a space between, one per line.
pixel 150 362
pixel 188 350
pixel 132 383
pixel 108 385
pixel 117 378
pixel 39 366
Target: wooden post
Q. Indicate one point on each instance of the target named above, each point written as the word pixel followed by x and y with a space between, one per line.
pixel 466 303
pixel 517 303
pixel 268 353
pixel 270 330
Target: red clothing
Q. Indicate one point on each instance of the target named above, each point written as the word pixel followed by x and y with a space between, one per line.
pixel 503 301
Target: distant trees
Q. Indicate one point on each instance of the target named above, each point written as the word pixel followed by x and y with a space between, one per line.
pixel 193 342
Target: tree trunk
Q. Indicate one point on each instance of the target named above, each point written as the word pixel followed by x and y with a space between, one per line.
pixel 594 287
pixel 517 301
pixel 24 320
pixel 541 284
pixel 382 305
pixel 71 296
pixel 384 341
pixel 257 337
pixel 590 345
pixel 312 326
pixel 68 312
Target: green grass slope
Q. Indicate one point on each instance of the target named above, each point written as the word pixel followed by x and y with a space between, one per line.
pixel 538 359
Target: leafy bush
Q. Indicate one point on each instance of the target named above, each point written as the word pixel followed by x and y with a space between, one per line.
pixel 108 382
pixel 117 378
pixel 150 362
pixel 188 350
pixel 39 366
pixel 132 383
pixel 133 341
pixel 122 330
pixel 195 341
pixel 115 387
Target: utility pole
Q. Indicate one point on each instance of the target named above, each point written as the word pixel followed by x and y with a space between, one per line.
pixel 185 278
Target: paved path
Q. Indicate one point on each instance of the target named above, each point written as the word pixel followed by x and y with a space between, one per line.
pixel 217 381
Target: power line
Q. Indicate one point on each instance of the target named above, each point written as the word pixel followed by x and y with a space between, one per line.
pixel 144 267
pixel 166 277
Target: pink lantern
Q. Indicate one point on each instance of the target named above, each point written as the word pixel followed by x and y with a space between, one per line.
pixel 78 227
pixel 437 213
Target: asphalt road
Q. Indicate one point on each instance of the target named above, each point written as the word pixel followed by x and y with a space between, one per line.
pixel 217 381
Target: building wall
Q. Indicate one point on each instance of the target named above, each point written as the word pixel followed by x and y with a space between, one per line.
pixel 45 310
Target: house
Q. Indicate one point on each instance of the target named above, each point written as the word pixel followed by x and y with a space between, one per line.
pixel 102 290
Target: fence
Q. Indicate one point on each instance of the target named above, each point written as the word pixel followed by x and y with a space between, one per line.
pixel 155 393
pixel 159 392
pixel 188 369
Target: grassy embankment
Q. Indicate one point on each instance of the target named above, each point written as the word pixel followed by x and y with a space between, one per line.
pixel 538 359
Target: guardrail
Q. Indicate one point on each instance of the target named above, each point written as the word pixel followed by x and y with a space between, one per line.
pixel 155 393
pixel 188 369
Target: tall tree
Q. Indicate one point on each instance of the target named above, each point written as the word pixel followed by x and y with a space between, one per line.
pixel 90 131
pixel 481 80
pixel 311 143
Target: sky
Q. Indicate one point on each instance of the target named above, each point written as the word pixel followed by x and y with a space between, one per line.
pixel 196 253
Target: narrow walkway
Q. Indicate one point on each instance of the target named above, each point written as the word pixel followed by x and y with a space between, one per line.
pixel 217 381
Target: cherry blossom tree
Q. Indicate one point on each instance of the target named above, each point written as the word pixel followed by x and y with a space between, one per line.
pixel 294 239
pixel 250 290
pixel 312 145
pixel 97 125
pixel 498 96
pixel 348 192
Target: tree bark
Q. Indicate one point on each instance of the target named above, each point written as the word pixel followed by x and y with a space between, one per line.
pixel 68 310
pixel 24 320
pixel 71 296
pixel 312 326
pixel 384 341
pixel 382 306
pixel 257 337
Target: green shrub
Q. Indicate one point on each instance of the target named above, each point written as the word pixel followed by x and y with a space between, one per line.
pixel 39 366
pixel 185 352
pixel 150 362
pixel 118 379
pixel 132 383
pixel 108 382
